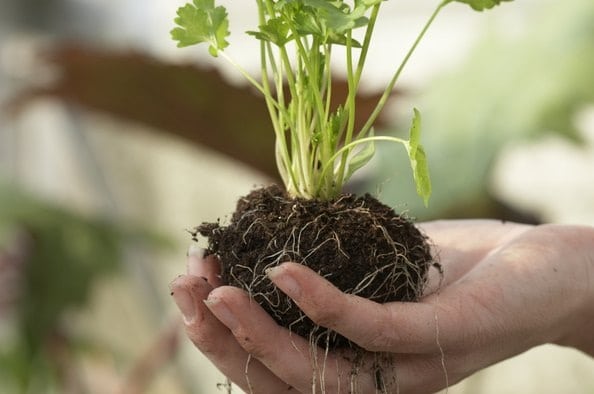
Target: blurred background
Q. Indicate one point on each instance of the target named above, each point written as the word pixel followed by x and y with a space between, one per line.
pixel 113 143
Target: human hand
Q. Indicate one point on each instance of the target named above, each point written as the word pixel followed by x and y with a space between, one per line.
pixel 506 288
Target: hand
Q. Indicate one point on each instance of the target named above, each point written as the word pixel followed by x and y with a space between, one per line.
pixel 506 288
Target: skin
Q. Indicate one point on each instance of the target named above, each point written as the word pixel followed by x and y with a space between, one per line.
pixel 506 288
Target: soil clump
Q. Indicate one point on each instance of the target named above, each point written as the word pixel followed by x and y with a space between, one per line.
pixel 357 243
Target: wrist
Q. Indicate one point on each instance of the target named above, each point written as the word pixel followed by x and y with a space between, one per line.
pixel 580 325
pixel 580 334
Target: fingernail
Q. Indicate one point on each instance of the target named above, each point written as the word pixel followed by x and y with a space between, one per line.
pixel 222 312
pixel 186 304
pixel 195 258
pixel 284 281
pixel 195 250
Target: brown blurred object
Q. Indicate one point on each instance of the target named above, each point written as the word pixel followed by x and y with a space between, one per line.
pixel 185 100
pixel 160 353
pixel 13 259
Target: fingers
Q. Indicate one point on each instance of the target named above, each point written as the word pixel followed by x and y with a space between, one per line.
pixel 303 365
pixel 261 357
pixel 216 342
pixel 393 327
pixel 206 267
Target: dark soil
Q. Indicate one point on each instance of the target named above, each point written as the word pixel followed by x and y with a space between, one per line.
pixel 359 244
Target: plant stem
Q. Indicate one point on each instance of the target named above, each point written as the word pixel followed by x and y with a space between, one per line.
pixel 366 43
pixel 330 163
pixel 246 75
pixel 351 108
pixel 353 79
pixel 388 91
pixel 277 113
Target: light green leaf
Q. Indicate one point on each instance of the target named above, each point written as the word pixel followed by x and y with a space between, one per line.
pixel 418 159
pixel 336 15
pixel 275 30
pixel 336 122
pixel 328 20
pixel 480 5
pixel 201 22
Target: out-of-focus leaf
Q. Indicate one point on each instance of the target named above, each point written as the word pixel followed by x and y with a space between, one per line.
pixel 67 253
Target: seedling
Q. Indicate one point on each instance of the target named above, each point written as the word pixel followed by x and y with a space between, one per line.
pixel 315 143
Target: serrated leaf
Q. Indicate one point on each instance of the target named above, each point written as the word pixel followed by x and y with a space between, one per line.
pixel 330 21
pixel 360 158
pixel 199 22
pixel 275 30
pixel 418 159
pixel 341 39
pixel 481 5
pixel 337 16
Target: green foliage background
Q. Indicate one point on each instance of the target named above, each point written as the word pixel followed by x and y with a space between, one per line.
pixel 514 86
pixel 67 254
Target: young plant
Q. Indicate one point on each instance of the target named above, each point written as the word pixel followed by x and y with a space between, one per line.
pixel 316 145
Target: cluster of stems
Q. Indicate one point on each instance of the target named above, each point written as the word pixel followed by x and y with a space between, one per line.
pixel 317 146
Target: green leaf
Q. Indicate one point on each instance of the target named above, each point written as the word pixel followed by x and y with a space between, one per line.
pixel 367 3
pixel 275 30
pixel 202 22
pixel 360 158
pixel 337 121
pixel 330 21
pixel 336 15
pixel 418 159
pixel 480 5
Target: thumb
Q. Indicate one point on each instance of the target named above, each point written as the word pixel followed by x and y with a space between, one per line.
pixel 400 327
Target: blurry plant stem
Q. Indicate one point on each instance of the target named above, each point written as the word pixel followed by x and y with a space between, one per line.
pixel 12 266
pixel 60 351
pixel 159 354
pixel 136 259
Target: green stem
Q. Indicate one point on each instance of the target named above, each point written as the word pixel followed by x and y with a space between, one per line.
pixel 353 79
pixel 366 42
pixel 351 107
pixel 246 75
pixel 278 112
pixel 326 143
pixel 348 147
pixel 388 91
